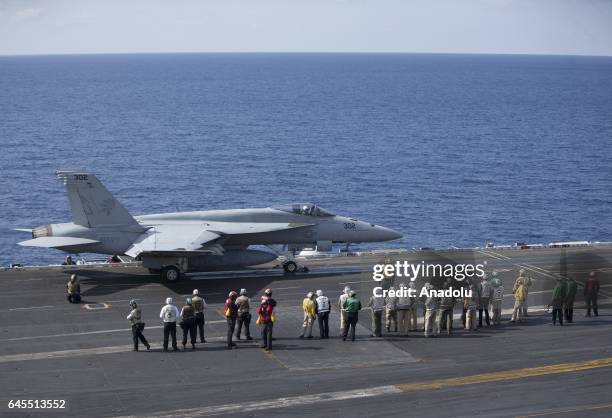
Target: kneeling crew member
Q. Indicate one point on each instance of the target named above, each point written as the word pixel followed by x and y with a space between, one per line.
pixel 135 318
pixel 168 315
pixel 188 323
pixel 74 289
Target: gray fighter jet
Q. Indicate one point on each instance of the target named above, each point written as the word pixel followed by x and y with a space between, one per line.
pixel 174 243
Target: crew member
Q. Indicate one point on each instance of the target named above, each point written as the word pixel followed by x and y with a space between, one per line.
pixel 486 291
pixel 591 290
pixel 266 319
pixel 520 294
pixel 244 315
pixel 497 298
pixel 445 313
pixel 404 303
pixel 470 305
pixel 526 282
pixel 558 297
pixel 73 287
pixel 68 261
pixel 352 306
pixel 391 311
pixel 231 314
pixel 199 304
pixel 570 297
pixel 413 307
pixel 188 323
pixel 135 318
pixel 310 313
pixel 343 297
pixel 168 314
pixel 377 304
pixel 323 309
pixel 432 304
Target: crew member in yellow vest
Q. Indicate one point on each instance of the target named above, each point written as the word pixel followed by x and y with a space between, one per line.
pixel 310 313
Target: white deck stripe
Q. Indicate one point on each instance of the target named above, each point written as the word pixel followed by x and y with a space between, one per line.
pixel 81 352
pixel 287 402
pixel 103 331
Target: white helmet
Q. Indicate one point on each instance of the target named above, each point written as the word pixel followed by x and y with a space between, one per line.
pixel 243 291
pixel 196 292
pixel 347 289
pixel 319 292
pixel 309 295
pixel 168 301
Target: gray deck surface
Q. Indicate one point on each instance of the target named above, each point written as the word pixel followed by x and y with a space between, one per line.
pixel 55 350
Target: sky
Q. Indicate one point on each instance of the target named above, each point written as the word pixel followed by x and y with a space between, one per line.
pixel 576 27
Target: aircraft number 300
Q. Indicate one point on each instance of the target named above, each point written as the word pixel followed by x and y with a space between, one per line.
pixel 80 176
pixel 349 225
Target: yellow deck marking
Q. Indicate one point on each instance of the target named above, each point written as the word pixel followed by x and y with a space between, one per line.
pixel 273 357
pixel 508 375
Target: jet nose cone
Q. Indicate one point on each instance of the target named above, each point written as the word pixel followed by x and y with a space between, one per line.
pixel 388 234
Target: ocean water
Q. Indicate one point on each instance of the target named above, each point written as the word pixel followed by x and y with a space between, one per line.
pixel 448 149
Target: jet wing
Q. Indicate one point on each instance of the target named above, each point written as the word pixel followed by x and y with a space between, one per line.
pixel 237 228
pixel 57 242
pixel 173 240
pixel 184 240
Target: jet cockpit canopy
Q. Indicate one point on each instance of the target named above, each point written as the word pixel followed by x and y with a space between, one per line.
pixel 308 209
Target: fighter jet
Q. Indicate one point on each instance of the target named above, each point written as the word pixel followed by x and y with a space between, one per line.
pixel 172 244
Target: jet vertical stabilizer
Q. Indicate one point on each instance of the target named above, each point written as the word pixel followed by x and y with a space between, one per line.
pixel 91 203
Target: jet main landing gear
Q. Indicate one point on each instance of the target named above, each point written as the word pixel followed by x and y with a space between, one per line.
pixel 170 274
pixel 290 267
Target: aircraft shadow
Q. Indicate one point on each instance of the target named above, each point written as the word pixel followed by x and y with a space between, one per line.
pixel 216 289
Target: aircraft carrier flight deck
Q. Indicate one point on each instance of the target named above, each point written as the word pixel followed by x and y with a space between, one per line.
pixel 526 369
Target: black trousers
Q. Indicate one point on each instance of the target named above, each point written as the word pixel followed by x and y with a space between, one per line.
pixel 569 314
pixel 463 316
pixel 244 319
pixel 199 320
pixel 231 326
pixel 591 302
pixel 486 311
pixel 76 298
pixel 323 320
pixel 557 312
pixel 350 322
pixel 169 331
pixel 266 335
pixel 446 320
pixel 137 335
pixel 189 327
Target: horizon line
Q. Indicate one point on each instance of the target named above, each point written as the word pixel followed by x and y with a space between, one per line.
pixel 59 54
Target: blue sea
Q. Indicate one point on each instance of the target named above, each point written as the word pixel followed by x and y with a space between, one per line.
pixel 448 149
